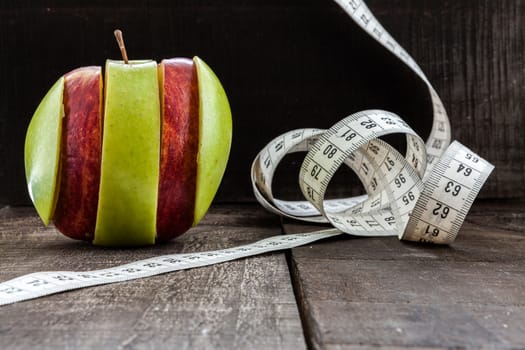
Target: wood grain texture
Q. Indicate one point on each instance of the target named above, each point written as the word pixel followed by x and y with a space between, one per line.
pixel 285 65
pixel 472 52
pixel 236 305
pixel 379 292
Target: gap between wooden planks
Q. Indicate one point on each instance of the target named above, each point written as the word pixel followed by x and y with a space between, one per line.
pixel 351 293
pixel 378 292
pixel 244 304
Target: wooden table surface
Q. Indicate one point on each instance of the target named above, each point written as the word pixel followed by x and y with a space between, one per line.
pixel 342 293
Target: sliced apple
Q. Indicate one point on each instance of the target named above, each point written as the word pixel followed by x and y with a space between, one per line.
pixel 215 135
pixel 196 139
pixel 143 168
pixel 76 210
pixel 129 176
pixel 42 151
pixel 179 146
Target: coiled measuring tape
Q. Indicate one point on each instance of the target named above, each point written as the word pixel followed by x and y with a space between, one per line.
pixel 422 196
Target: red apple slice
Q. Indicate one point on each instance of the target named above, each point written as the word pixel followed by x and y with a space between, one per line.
pixel 179 147
pixel 76 210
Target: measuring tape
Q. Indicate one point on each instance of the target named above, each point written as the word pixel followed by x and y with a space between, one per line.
pixel 421 196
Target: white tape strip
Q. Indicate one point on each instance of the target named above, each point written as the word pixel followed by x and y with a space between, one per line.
pixel 423 196
pixel 44 283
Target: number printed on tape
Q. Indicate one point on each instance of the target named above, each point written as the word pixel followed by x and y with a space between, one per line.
pixel 421 196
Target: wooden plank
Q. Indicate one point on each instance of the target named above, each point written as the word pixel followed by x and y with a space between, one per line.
pixel 236 305
pixel 379 292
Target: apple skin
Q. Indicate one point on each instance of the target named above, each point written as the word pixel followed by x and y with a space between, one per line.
pixel 129 175
pixel 76 210
pixel 180 141
pixel 127 216
pixel 42 151
pixel 215 137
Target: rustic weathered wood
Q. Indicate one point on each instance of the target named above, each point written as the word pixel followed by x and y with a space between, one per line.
pixel 361 293
pixel 472 52
pixel 245 304
pixel 352 293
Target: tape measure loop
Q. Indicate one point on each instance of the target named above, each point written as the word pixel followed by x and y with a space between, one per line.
pixel 398 200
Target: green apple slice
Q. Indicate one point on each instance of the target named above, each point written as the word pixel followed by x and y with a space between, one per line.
pixel 130 155
pixel 42 151
pixel 215 134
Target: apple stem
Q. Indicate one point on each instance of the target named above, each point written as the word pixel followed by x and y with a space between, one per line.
pixel 120 42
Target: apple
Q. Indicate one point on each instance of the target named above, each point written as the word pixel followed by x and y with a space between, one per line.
pixel 131 158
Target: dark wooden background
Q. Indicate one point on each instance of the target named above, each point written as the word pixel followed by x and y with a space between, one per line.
pixel 285 64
